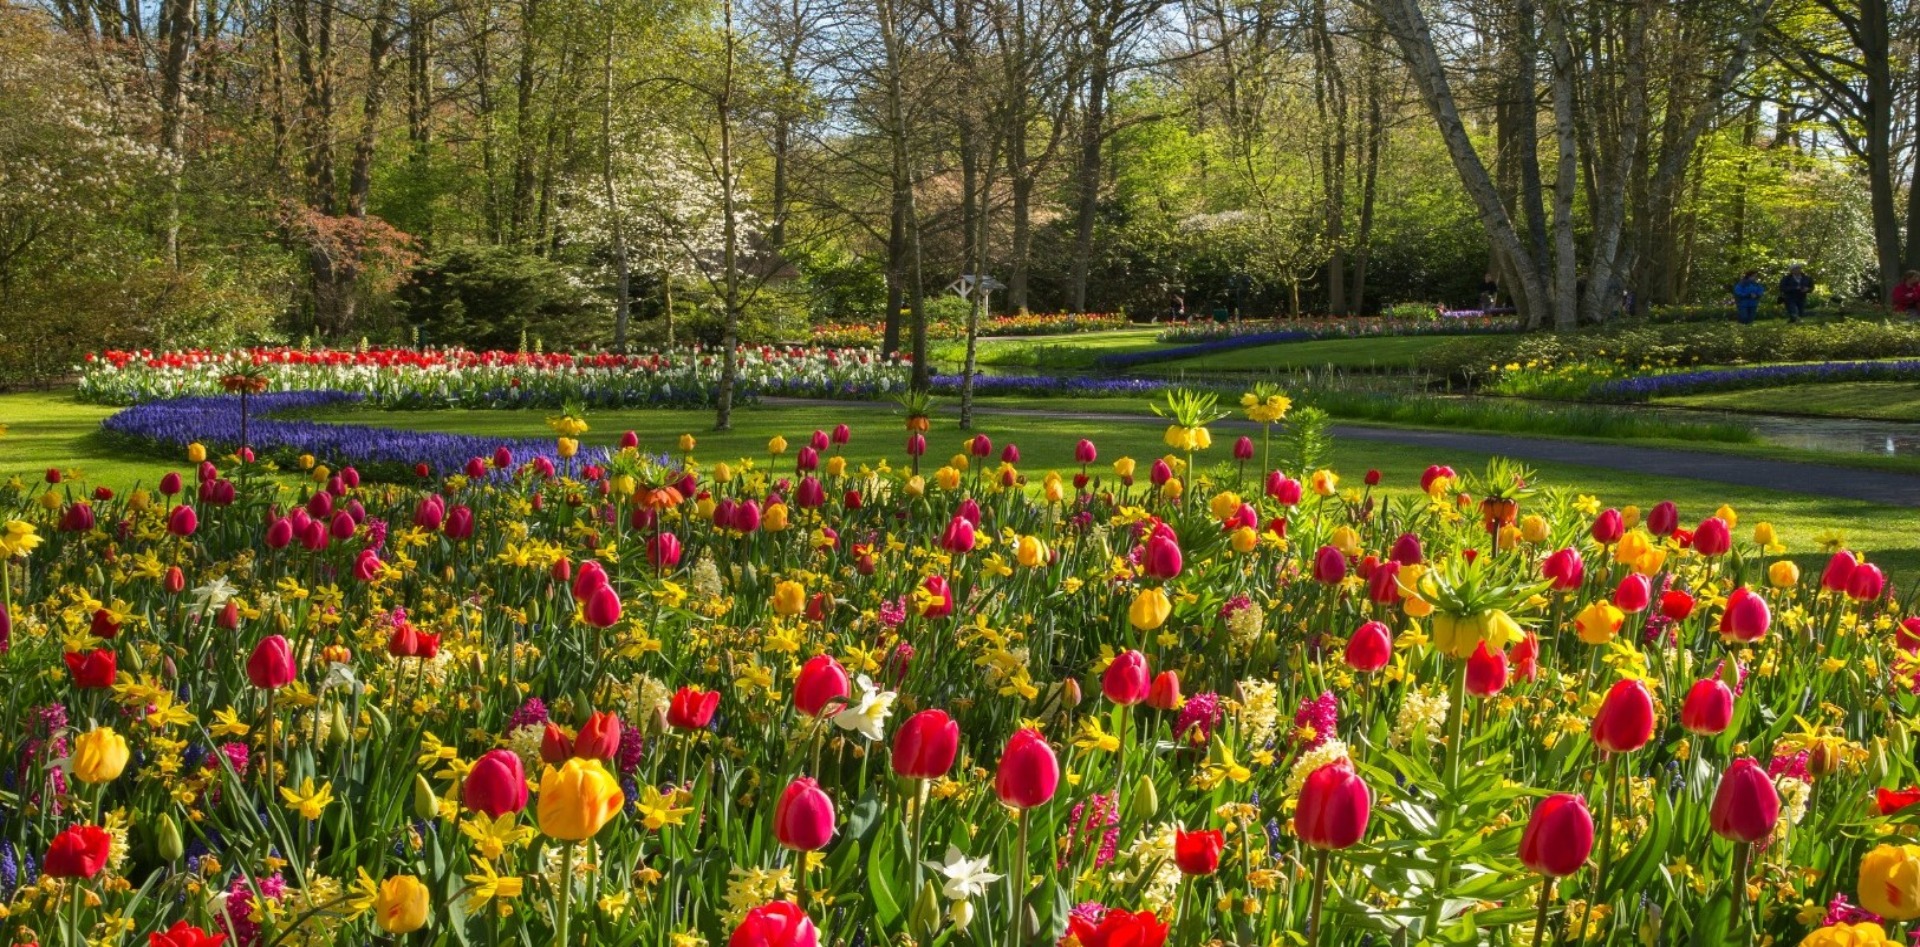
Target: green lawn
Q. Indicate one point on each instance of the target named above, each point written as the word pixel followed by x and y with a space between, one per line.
pixel 52 430
pixel 1382 353
pixel 1052 351
pixel 1875 400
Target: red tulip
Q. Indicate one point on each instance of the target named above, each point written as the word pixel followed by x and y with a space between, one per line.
pixel 1029 774
pixel 941 595
pixel 182 934
pixel 170 484
pixel 599 737
pixel 924 746
pixel 1708 708
pixel 1160 473
pixel 1243 448
pixel 1634 594
pixel 1161 558
pixel 1284 490
pixel 1890 801
pixel 279 534
pixel 1432 473
pixel 1372 478
pixel 958 538
pixel 1486 671
pixel 1198 853
pixel 1383 583
pixel 1127 680
pixel 1329 565
pixel 1407 550
pixel 1565 568
pixel 1084 452
pixel 496 785
pixel 1663 519
pixel 459 523
pixel 1624 722
pixel 1526 658
pixel 663 551
pixel 1745 806
pixel 1165 692
pixel 1117 928
pixel 79 852
pixel 1608 527
pixel 1370 648
pixel 1559 836
pixel 779 924
pixel 916 444
pixel 1713 538
pixel 270 667
pixel 94 668
pixel 692 709
pixel 182 521
pixel 981 445
pixel 103 625
pixel 603 609
pixel 555 746
pixel 1839 572
pixel 1676 605
pixel 1907 634
pixel 175 581
pixel 1334 807
pixel 803 818
pixel 822 682
pixel 1867 583
pixel 1746 617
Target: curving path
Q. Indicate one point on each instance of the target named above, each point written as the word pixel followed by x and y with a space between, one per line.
pixel 1873 486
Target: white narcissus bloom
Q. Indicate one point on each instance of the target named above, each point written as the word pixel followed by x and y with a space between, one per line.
pixel 867 716
pixel 965 877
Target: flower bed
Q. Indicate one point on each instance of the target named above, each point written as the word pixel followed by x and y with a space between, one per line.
pixel 407 378
pixel 806 699
pixel 1457 322
pixel 214 420
pixel 1309 332
pixel 870 334
pixel 1644 387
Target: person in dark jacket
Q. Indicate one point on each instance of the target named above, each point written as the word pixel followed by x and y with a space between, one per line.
pixel 1794 289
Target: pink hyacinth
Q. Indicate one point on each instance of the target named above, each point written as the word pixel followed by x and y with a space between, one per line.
pixel 1322 715
pixel 1202 711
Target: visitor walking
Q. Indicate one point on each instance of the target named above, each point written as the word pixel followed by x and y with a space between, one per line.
pixel 1906 296
pixel 1176 308
pixel 1489 292
pixel 1746 297
pixel 1794 288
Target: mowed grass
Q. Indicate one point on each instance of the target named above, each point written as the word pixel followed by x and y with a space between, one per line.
pixel 1052 351
pixel 1872 400
pixel 52 430
pixel 1378 354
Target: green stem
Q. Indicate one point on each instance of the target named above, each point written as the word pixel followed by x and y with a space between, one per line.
pixel 1020 883
pixel 1456 717
pixel 1742 853
pixel 1606 845
pixel 1540 917
pixel 561 917
pixel 1319 897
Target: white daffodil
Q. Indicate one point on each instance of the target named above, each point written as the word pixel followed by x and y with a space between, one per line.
pixel 868 715
pixel 214 595
pixel 965 877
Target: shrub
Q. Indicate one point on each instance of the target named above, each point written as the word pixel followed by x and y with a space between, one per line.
pixel 497 298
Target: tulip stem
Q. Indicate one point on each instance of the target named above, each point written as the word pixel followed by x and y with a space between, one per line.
pixel 1606 845
pixel 1020 882
pixel 1319 897
pixel 566 894
pixel 1456 715
pixel 268 772
pixel 1742 851
pixel 73 915
pixel 1540 917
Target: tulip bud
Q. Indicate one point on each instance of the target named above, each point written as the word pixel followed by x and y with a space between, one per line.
pixel 1127 680
pixel 426 804
pixel 1486 671
pixel 1165 692
pixel 1144 804
pixel 1029 773
pixel 1334 808
pixel 1370 648
pixel 166 839
pixel 1624 722
pixel 1745 805
pixel 803 818
pixel 1559 836
pixel 1708 708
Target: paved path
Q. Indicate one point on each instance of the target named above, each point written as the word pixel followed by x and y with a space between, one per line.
pixel 1851 483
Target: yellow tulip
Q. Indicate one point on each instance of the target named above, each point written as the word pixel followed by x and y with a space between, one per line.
pixel 1226 503
pixel 1325 482
pixel 789 598
pixel 1631 547
pixel 1599 622
pixel 1030 552
pixel 947 477
pixel 321 473
pixel 566 446
pixel 774 518
pixel 402 904
pixel 687 442
pixel 960 461
pixel 776 445
pixel 1346 540
pixel 1651 563
pixel 722 473
pixel 197 453
pixel 1764 534
pixel 836 466
pixel 1890 882
pixel 1783 574
pixel 1054 489
pixel 1534 528
pixel 1244 539
pixel 1509 536
pixel 1849 935
pixel 1149 610
pixel 1726 512
pixel 1172 489
pixel 705 507
pixel 916 486
pixel 99 755
pixel 1123 468
pixel 577 799
pixel 1629 516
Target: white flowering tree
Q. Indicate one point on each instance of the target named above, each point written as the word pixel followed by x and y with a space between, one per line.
pixel 651 209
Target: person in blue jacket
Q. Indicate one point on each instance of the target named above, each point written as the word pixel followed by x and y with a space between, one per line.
pixel 1746 296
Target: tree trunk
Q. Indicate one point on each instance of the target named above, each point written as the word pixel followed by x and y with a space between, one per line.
pixel 524 138
pixel 1610 208
pixel 177 24
pixel 1565 266
pixel 1087 174
pixel 730 234
pixel 616 221
pixel 1409 27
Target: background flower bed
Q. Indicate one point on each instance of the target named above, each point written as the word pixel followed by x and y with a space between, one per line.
pixel 408 378
pixel 1455 322
pixel 953 326
pixel 1645 387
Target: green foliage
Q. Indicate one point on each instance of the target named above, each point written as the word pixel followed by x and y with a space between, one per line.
pixel 1307 440
pixel 493 297
pixel 1639 347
